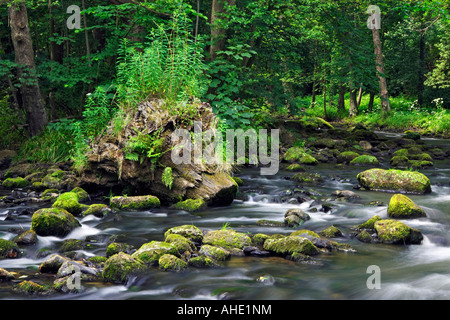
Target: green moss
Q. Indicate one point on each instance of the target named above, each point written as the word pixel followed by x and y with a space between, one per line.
pixel 69 202
pixel 305 233
pixel 168 262
pixel 295 167
pixel 53 222
pixel 399 161
pixel 98 260
pixel 227 239
pixel 238 181
pixel 291 244
pixel 49 193
pixel 394 180
pixel 191 205
pixel 81 193
pixel 331 232
pixel 402 207
pixel 293 154
pixel 98 209
pixel 188 231
pixel 150 252
pixel 270 223
pixel 308 160
pixel 259 239
pixel 409 134
pixel 9 249
pixel 215 252
pixel 364 236
pixel 401 153
pixel 116 247
pixel 365 160
pixel 182 244
pixel 135 203
pixel 347 156
pixel 369 224
pixel 72 245
pixel 202 262
pixel 120 267
pixel 18 182
pixel 421 157
pixel 30 288
pixel 396 232
pixel 307 178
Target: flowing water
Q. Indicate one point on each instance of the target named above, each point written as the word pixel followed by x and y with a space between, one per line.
pixel 407 272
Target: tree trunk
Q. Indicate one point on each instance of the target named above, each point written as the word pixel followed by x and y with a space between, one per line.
pixel 353 110
pixel 371 99
pixel 360 94
pixel 341 100
pixel 23 48
pixel 218 33
pixel 384 95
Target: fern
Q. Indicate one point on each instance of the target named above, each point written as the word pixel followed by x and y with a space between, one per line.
pixel 167 178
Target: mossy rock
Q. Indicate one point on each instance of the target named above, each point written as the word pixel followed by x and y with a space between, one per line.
pixel 68 201
pixel 227 238
pixel 396 232
pixel 399 161
pixel 308 159
pixel 369 224
pixel 18 182
pixel 394 181
pixel 53 222
pixel 331 232
pixel 305 234
pixel 6 276
pixel 150 252
pixel 9 249
pixel 295 167
pixel 307 178
pixel 81 193
pixel 401 153
pixel 191 205
pixel 50 194
pixel 52 264
pixel 188 231
pixel 98 209
pixel 182 244
pixel 72 245
pixel 347 156
pixel 116 247
pixel 409 134
pixel 259 239
pixel 420 164
pixel 202 262
pixel 168 262
pixel 214 252
pixel 295 217
pixel 270 223
pixel 135 203
pixel 52 182
pixel 297 154
pixel 364 236
pixel 402 207
pixel 26 238
pixel 421 157
pixel 365 160
pixel 238 181
pixel 120 267
pixel 31 288
pixel 291 244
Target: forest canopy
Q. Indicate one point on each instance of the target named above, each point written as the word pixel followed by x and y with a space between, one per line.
pixel 73 71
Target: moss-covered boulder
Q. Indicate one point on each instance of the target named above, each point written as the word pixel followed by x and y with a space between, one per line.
pixel 295 167
pixel 202 262
pixel 183 245
pixel 227 238
pixel 53 222
pixel 169 262
pixel 191 205
pixel 307 178
pixel 81 193
pixel 116 247
pixel 120 267
pixel 26 238
pixel 331 232
pixel 295 217
pixel 18 182
pixel 50 194
pixel 365 160
pixel 216 253
pixel 9 249
pixel 69 202
pixel 368 225
pixel 135 203
pixel 298 155
pixel 52 264
pixel 400 162
pixel 290 245
pixel 98 209
pixel 31 288
pixel 347 156
pixel 150 252
pixel 396 232
pixel 402 207
pixel 188 231
pixel 394 181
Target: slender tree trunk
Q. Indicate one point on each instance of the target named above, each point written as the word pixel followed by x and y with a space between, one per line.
pixel 358 103
pixel 353 110
pixel 218 33
pixel 30 92
pixel 384 95
pixel 86 34
pixel 325 100
pixel 371 99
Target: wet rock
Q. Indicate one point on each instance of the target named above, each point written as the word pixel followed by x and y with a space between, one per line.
pixel 188 231
pixel 99 210
pixel 5 275
pixel 255 251
pixel 227 239
pixel 183 245
pixel 402 207
pixel 52 264
pixel 18 182
pixel 202 262
pixel 365 160
pixel 150 252
pixel 31 288
pixel 120 267
pixel 215 252
pixel 135 203
pixel 331 232
pixel 345 194
pixel 295 217
pixel 53 222
pixel 307 178
pixel 347 156
pixel 116 247
pixel 26 238
pixel 291 244
pixel 396 232
pixel 5 158
pixel 9 249
pixel 190 205
pixel 69 202
pixel 394 180
pixel 168 262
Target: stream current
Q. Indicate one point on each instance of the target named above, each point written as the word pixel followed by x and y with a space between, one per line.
pixel 406 272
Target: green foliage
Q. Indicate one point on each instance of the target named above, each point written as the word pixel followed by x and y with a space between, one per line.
pixel 145 146
pixel 167 177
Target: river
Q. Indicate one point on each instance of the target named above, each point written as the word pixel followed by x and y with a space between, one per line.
pixel 406 272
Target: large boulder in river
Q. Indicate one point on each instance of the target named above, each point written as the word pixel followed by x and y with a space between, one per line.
pixel 53 222
pixel 394 181
pixel 402 207
pixel 396 232
pixel 136 156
